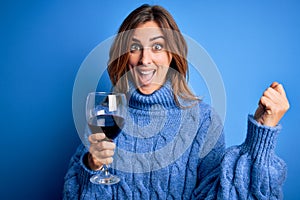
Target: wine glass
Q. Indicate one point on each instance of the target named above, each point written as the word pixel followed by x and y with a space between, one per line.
pixel 105 113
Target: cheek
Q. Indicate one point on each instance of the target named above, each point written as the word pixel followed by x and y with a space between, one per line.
pixel 164 59
pixel 133 61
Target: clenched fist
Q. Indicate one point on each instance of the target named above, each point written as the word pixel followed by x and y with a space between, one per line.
pixel 272 105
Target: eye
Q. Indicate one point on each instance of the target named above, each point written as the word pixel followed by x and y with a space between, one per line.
pixel 135 48
pixel 157 47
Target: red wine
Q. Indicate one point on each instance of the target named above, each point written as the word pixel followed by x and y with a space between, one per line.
pixel 110 125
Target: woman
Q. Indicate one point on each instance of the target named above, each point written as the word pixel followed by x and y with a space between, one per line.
pixel 172 146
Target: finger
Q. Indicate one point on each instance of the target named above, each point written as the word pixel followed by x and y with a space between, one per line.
pixel 276 97
pixel 280 89
pixel 274 84
pixel 106 153
pixel 95 138
pixel 101 159
pixel 272 94
pixel 267 104
pixel 99 155
pixel 107 161
pixel 102 146
pixel 105 145
pixel 102 154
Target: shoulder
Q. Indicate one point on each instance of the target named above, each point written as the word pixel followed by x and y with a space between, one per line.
pixel 204 108
pixel 207 113
pixel 202 114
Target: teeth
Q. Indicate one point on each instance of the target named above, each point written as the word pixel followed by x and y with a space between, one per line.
pixel 146 72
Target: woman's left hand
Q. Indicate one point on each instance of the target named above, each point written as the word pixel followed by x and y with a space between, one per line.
pixel 272 105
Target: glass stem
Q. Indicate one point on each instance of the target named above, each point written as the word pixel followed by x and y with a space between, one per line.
pixel 105 169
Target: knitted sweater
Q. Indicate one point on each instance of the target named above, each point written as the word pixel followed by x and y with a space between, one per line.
pixel 166 152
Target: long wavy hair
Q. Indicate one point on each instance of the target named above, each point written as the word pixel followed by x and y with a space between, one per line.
pixel 176 45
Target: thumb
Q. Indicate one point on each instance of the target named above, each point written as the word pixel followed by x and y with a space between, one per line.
pixel 274 85
pixel 278 87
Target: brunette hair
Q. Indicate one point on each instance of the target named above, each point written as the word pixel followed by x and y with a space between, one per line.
pixel 119 52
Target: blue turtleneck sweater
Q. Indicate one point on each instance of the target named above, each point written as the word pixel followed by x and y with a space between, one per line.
pixel 167 152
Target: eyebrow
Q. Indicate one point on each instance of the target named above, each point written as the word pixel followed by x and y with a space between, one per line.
pixel 151 39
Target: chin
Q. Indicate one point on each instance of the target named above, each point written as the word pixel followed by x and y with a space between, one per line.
pixel 149 89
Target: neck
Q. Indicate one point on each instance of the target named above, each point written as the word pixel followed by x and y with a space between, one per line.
pixel 162 97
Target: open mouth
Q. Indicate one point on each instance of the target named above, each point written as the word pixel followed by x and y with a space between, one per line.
pixel 145 76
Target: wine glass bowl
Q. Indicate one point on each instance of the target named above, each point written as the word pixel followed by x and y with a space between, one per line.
pixel 105 113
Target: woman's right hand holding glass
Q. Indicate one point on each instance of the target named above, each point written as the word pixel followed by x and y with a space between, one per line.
pixel 101 151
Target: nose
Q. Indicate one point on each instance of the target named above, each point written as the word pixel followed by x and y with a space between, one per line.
pixel 146 56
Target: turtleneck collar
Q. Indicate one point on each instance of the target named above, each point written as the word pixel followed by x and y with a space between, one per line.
pixel 161 97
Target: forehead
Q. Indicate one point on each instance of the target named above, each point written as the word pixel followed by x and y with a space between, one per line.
pixel 147 30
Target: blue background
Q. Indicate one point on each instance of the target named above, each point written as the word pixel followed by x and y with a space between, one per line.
pixel 43 44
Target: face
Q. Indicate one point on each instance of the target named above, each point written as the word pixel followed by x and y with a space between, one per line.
pixel 149 61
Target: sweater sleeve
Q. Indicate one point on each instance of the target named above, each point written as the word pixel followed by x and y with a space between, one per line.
pixel 247 171
pixel 77 184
